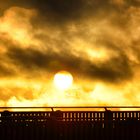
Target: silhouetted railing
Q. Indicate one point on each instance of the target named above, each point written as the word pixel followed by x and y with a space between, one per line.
pixel 70 116
pixel 69 125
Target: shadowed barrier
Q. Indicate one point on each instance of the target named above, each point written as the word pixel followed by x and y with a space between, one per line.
pixel 69 123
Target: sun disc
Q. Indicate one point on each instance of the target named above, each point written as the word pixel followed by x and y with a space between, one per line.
pixel 63 80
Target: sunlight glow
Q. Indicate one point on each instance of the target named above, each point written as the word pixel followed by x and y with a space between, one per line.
pixel 63 80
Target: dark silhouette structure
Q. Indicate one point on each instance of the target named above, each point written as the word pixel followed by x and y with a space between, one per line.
pixel 70 125
pixel 108 118
pixel 56 115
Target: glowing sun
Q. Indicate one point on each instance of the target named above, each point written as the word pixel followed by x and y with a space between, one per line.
pixel 63 80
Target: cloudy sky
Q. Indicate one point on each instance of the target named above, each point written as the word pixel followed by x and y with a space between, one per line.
pixel 97 41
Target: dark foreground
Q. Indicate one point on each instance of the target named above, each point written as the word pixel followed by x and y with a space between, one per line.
pixel 78 125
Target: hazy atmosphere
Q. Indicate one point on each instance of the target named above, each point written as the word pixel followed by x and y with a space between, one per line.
pixel 96 41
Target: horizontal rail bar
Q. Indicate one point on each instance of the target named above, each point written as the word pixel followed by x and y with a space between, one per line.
pixel 70 107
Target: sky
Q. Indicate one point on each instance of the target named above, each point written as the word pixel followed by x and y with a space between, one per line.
pixel 97 41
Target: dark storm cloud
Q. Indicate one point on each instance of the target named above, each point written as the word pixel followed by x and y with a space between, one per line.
pixel 66 10
pixel 114 70
pixel 69 8
pixel 61 7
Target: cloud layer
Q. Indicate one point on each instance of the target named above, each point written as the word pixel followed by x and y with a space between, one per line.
pixel 94 40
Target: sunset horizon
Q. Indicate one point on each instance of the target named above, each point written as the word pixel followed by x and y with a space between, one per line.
pixel 69 53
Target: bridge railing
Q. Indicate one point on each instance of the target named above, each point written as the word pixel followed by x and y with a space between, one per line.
pixel 94 116
pixel 71 125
